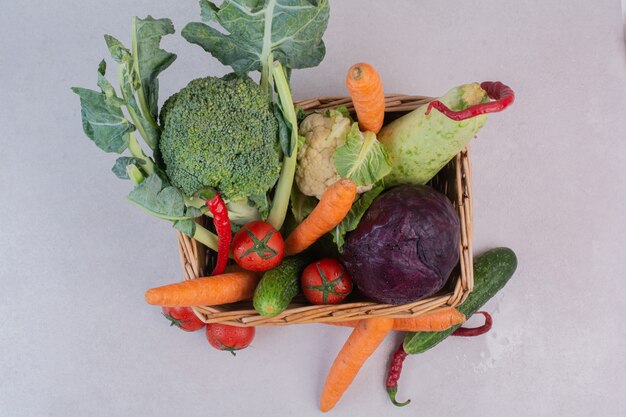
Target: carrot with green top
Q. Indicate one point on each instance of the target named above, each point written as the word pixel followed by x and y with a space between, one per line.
pixel 363 341
pixel 329 212
pixel 214 290
pixel 366 89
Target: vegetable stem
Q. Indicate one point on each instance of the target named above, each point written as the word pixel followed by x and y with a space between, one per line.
pixel 140 94
pixel 121 73
pixel 266 76
pixel 137 152
pixel 283 189
pixel 205 237
pixel 267 56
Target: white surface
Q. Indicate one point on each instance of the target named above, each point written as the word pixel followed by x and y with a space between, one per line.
pixel 77 339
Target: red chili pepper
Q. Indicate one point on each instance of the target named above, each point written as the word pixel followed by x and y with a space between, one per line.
pixel 475 331
pixel 224 234
pixel 502 94
pixel 395 368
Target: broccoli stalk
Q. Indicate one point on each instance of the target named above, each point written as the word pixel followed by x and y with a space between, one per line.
pixel 282 194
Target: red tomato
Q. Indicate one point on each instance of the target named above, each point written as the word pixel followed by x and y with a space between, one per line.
pixel 326 282
pixel 229 338
pixel 258 247
pixel 183 317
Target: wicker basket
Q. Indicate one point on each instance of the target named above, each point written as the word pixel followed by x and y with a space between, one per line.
pixel 454 180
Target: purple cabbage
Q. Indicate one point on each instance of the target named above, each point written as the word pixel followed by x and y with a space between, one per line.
pixel 406 245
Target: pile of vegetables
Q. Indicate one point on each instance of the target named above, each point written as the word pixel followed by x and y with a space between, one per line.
pixel 326 203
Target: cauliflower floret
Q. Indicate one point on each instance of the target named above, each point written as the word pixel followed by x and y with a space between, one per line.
pixel 323 134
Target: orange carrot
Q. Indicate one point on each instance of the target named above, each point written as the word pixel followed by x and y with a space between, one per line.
pixel 366 89
pixel 363 341
pixel 214 290
pixel 329 212
pixel 436 321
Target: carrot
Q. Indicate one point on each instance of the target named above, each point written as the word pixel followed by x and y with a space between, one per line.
pixel 366 89
pixel 214 290
pixel 436 321
pixel 329 212
pixel 363 341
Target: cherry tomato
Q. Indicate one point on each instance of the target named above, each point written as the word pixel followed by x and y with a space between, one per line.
pixel 183 317
pixel 326 282
pixel 258 247
pixel 229 338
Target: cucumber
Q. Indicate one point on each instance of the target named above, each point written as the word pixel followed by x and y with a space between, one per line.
pixel 492 271
pixel 278 286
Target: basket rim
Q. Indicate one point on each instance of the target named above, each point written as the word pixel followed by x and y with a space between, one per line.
pixel 192 252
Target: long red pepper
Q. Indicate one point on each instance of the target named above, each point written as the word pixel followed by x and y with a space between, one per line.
pixel 502 95
pixel 224 234
pixel 395 368
pixel 475 331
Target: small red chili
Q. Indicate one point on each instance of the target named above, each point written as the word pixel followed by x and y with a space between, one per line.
pixel 224 234
pixel 395 368
pixel 475 331
pixel 502 95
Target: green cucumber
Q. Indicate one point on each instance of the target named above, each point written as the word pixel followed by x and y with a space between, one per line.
pixel 278 286
pixel 492 271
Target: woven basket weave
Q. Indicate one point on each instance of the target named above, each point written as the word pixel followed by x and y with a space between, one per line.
pixel 454 180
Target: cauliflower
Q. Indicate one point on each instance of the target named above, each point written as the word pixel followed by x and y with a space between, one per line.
pixel 323 133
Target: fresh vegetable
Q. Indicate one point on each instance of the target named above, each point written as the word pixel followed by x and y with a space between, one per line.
pixel 363 341
pixel 405 246
pixel 105 124
pixel 323 133
pixel 435 321
pixel 255 37
pixel 326 282
pixel 271 37
pixel 221 133
pixel 421 142
pixel 278 286
pixel 214 290
pixel 334 148
pixel 289 31
pixel 229 338
pixel 502 94
pixel 362 158
pixel 258 246
pixel 182 317
pixel 366 90
pixel 395 369
pixel 492 271
pixel 475 331
pixel 224 234
pixel 332 208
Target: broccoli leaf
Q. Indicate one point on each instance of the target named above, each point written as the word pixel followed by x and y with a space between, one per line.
pixel 150 60
pixel 103 121
pixel 119 169
pixel 352 219
pixel 187 227
pixel 284 131
pixel 362 158
pixel 149 131
pixel 129 83
pixel 159 198
pixel 294 36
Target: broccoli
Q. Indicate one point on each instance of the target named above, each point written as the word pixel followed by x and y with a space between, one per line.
pixel 221 133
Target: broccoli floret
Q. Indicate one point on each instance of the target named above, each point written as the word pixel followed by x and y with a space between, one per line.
pixel 221 133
